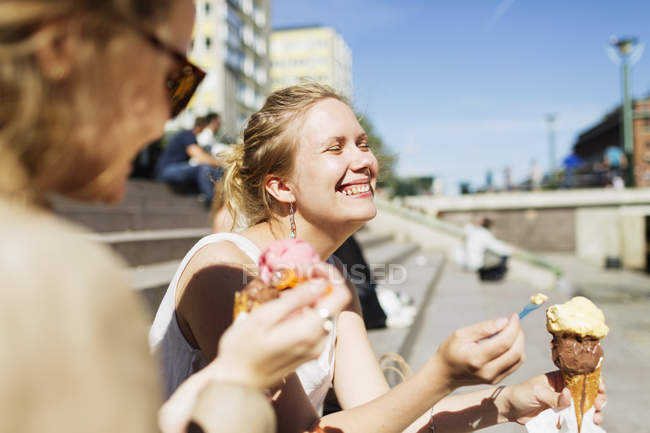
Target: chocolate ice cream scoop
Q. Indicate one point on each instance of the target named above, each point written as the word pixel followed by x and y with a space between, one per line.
pixel 575 354
pixel 255 293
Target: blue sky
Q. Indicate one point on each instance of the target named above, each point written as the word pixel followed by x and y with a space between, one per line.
pixel 457 88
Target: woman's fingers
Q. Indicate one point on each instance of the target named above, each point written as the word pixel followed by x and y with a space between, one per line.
pixel 599 403
pixel 303 295
pixel 483 330
pixel 337 294
pixel 508 362
pixel 303 334
pixel 565 399
pixel 500 342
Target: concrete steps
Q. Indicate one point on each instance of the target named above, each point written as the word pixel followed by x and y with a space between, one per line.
pixel 147 205
pixel 149 247
pixel 420 273
pixel 401 267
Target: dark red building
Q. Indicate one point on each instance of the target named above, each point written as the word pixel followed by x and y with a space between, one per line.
pixel 592 143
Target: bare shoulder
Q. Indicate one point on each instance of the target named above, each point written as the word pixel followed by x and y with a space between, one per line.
pixel 206 290
pixel 219 253
pixel 220 260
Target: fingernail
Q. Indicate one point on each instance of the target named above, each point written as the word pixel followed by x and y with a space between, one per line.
pixel 501 322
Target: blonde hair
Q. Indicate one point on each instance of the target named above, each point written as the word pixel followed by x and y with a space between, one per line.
pixel 269 141
pixel 35 116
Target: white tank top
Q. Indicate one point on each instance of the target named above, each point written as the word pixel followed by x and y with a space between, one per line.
pixel 180 360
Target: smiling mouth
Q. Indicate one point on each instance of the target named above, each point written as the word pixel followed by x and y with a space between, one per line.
pixel 354 190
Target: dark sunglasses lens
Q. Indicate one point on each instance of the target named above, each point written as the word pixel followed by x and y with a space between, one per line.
pixel 182 85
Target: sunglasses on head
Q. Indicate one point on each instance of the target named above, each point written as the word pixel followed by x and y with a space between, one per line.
pixel 184 79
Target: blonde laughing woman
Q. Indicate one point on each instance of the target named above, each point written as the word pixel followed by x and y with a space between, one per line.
pixel 304 169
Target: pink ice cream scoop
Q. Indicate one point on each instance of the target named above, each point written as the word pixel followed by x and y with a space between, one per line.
pixel 285 254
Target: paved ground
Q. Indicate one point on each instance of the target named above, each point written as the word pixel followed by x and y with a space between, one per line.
pixel 460 299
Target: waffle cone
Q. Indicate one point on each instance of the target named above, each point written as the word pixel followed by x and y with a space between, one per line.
pixel 241 304
pixel 584 390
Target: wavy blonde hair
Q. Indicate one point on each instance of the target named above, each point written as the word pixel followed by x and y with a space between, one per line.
pixel 268 146
pixel 35 116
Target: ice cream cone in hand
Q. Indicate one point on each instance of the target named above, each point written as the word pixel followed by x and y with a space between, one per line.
pixel 577 328
pixel 279 269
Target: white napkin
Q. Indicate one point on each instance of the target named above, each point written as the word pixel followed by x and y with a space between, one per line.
pixel 549 420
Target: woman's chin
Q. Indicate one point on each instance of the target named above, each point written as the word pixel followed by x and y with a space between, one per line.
pixel 362 216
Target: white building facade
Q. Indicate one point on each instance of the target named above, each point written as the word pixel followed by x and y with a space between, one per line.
pixel 231 43
pixel 315 53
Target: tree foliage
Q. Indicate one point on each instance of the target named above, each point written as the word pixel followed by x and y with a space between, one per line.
pixel 387 160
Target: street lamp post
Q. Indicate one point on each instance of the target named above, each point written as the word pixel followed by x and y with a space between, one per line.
pixel 550 118
pixel 628 51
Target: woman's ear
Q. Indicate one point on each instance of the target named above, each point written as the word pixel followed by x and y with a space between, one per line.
pixel 279 189
pixel 58 50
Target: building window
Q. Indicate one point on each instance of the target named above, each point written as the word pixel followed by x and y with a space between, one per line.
pixel 233 18
pixel 233 38
pixel 208 42
pixel 234 58
pixel 208 8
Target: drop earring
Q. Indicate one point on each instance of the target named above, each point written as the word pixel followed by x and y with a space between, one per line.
pixel 292 221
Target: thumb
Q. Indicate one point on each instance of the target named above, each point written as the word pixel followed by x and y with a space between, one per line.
pixel 482 330
pixel 565 399
pixel 549 398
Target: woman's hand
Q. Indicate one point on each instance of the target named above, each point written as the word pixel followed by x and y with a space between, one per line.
pixel 278 336
pixel 483 353
pixel 522 402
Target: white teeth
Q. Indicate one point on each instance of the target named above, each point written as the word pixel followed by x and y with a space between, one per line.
pixel 356 190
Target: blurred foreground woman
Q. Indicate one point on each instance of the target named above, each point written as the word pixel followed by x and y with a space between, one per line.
pixel 84 85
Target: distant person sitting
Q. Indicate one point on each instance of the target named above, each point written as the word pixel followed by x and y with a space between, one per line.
pixel 184 163
pixel 210 139
pixel 615 161
pixel 483 253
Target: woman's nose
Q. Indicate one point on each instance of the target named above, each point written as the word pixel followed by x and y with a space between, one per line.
pixel 362 160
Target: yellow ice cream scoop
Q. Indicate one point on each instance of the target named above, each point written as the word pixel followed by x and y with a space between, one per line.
pixel 579 316
pixel 535 302
pixel 538 299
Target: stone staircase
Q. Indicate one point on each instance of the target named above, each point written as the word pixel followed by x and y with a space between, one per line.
pixel 153 228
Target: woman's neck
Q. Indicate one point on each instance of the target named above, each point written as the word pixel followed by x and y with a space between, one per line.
pixel 325 242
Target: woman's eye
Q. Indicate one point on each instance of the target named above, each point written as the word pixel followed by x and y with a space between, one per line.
pixel 364 145
pixel 334 149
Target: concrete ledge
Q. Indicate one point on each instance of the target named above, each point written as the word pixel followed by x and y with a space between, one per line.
pixel 151 276
pixel 368 239
pixel 148 235
pixel 151 246
pixel 531 200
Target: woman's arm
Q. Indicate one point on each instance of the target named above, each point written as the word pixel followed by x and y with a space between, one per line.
pixel 460 360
